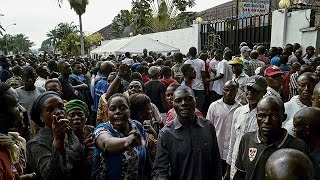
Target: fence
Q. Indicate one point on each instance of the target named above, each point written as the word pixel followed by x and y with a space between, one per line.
pixel 231 32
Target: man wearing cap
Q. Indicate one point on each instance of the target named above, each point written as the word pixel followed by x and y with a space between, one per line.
pixel 244 120
pixel 245 57
pixel 273 75
pixel 156 90
pixel 310 56
pixel 240 78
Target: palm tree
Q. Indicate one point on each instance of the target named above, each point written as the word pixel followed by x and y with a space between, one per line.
pixel 59 33
pixel 79 6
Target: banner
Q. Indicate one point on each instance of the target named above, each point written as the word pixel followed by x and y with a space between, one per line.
pixel 247 8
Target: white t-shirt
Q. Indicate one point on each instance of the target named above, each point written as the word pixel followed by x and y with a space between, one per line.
pixel 199 66
pixel 291 108
pixel 127 61
pixel 222 68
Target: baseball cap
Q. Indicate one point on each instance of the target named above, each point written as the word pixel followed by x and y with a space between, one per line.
pixel 243 44
pixel 245 48
pixel 236 60
pixel 153 70
pixel 272 70
pixel 258 82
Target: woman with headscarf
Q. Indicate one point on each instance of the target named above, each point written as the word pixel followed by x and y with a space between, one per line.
pixel 78 113
pixel 120 151
pixel 55 152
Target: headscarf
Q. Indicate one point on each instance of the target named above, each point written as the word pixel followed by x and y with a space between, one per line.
pixel 77 104
pixel 37 105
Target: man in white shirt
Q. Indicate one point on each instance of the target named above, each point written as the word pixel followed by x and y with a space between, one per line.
pixel 241 78
pixel 274 77
pixel 128 61
pixel 306 83
pixel 220 113
pixel 223 74
pixel 197 83
pixel 244 120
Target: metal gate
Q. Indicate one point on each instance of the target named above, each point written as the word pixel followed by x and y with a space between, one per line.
pixel 231 32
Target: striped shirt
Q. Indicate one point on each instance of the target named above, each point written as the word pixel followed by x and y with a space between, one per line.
pixel 293 85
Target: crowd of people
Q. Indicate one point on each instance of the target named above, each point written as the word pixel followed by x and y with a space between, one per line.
pixel 196 116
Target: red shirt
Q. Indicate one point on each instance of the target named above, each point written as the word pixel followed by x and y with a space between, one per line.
pixel 145 79
pixel 5 166
pixel 172 114
pixel 167 81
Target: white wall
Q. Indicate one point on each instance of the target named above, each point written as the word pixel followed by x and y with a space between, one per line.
pixel 293 27
pixel 180 38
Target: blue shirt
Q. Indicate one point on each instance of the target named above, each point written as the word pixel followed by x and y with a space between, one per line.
pixel 128 164
pixel 80 78
pixel 275 61
pixel 99 89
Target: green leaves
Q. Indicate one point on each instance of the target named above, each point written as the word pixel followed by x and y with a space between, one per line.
pixel 149 16
pixel 18 43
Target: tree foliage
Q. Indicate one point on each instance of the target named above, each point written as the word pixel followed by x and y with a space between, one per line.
pixel 149 16
pixel 65 38
pixel 16 44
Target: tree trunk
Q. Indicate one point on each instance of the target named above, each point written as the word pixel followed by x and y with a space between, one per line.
pixel 81 37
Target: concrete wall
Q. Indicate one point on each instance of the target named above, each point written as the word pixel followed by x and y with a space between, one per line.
pixel 180 38
pixel 293 27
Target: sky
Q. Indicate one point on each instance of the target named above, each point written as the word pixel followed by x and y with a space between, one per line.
pixel 35 18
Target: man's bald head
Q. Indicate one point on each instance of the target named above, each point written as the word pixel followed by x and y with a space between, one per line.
pixel 307 123
pixel 231 83
pixel 271 100
pixel 290 164
pixel 308 75
pixel 106 68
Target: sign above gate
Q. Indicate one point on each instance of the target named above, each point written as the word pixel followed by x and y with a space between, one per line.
pixel 248 8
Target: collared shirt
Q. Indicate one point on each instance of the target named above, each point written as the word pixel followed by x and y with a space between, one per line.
pixel 80 78
pixel 272 92
pixel 222 68
pixel 221 115
pixel 242 80
pixel 253 153
pixel 291 108
pixel 253 65
pixel 191 152
pixel 243 121
pixel 312 58
pixel 293 85
pixel 99 89
pixel 264 59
